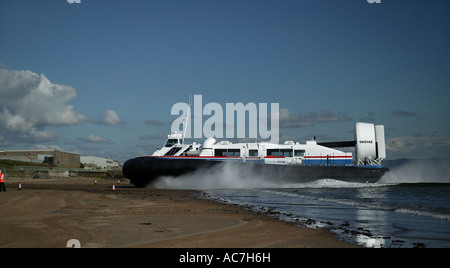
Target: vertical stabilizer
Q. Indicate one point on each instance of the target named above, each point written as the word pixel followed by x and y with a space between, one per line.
pixel 381 144
pixel 370 143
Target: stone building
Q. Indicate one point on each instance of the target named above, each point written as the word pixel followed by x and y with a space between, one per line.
pixel 51 157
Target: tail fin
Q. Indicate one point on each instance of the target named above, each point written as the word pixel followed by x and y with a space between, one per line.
pixel 370 143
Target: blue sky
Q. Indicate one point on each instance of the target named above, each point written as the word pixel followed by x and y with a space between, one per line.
pixel 100 77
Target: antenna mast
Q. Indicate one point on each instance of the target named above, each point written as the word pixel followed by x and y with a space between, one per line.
pixel 186 119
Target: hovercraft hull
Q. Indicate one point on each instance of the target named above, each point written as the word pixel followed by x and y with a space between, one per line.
pixel 142 171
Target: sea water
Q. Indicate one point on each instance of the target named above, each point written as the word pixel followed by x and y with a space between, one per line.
pixel 402 210
pixel 384 215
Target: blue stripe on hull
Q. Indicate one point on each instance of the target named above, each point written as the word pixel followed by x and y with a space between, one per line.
pixel 330 162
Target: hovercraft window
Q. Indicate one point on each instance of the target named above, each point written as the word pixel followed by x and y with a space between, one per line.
pixel 273 152
pixel 171 142
pixel 252 153
pixel 227 152
pixel 299 152
pixel 234 152
pixel 220 152
pixel 279 152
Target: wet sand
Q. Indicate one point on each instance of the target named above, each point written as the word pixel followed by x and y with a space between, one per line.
pixel 47 213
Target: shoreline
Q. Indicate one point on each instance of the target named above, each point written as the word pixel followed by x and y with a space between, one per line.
pixel 47 213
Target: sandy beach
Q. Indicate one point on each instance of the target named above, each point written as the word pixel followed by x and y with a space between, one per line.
pixel 48 213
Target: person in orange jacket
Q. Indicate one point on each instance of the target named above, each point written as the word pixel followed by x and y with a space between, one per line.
pixel 2 182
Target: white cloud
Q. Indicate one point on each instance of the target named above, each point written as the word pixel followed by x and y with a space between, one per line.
pixel 30 102
pixel 47 147
pixel 111 118
pixel 95 139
